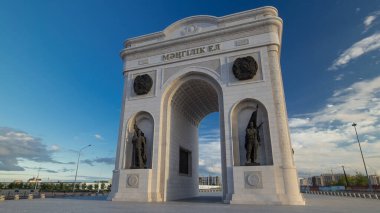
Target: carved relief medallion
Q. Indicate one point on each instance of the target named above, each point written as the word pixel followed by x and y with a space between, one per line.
pixel 133 180
pixel 190 29
pixel 253 179
pixel 245 68
pixel 142 84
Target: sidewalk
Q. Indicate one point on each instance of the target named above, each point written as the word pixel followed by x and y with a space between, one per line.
pixel 315 204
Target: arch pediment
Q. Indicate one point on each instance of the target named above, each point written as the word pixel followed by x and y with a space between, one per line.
pixel 191 25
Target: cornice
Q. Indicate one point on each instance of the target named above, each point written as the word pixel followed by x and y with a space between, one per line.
pixel 276 21
pixel 219 21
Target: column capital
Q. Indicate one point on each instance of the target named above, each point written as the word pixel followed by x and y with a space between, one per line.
pixel 273 47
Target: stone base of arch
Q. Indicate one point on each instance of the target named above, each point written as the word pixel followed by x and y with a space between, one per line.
pixel 134 188
pixel 261 185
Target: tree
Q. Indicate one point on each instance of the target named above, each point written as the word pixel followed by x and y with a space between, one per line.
pixel 90 187
pixel 18 185
pixel 96 186
pixel 60 187
pixel 341 182
pixel 44 187
pixel 102 186
pixel 84 186
pixel 11 186
pixel 67 187
pixel 28 185
pixel 361 180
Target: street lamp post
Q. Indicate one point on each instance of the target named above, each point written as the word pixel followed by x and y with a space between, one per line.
pixel 38 174
pixel 76 172
pixel 361 152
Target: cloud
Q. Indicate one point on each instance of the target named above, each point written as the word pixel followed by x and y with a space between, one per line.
pixel 66 170
pixel 296 122
pixel 339 77
pixel 98 137
pixel 88 161
pixel 358 49
pixel 370 20
pixel 51 171
pixel 209 153
pixel 325 139
pixel 90 178
pixel 16 145
pixel 109 161
pixel 209 135
pixel 54 148
pixel 42 169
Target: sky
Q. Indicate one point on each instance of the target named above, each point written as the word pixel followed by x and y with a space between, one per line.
pixel 61 82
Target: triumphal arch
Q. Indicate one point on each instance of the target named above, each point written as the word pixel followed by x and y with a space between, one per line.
pixel 174 78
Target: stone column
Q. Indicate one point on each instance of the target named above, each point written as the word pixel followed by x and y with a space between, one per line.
pixel 120 151
pixel 291 188
pixel 121 155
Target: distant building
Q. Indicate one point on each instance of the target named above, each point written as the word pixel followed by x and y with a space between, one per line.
pixel 17 181
pixel 317 181
pixel 304 182
pixel 326 179
pixel 330 179
pixel 34 180
pixel 375 180
pixel 210 180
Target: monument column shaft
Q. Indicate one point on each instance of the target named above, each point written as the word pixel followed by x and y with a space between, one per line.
pixel 279 101
pixel 121 155
pixel 288 168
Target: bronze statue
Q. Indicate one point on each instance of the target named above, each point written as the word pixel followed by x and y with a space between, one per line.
pixel 139 157
pixel 252 140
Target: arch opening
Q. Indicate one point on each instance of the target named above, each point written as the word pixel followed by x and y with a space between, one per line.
pixel 189 104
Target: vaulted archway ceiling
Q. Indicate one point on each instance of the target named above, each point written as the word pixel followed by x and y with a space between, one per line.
pixel 195 99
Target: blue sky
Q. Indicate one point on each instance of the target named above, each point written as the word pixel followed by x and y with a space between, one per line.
pixel 61 81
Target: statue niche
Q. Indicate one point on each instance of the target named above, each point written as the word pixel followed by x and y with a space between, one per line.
pixel 252 140
pixel 139 156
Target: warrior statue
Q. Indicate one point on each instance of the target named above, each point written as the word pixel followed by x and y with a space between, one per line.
pixel 139 149
pixel 252 139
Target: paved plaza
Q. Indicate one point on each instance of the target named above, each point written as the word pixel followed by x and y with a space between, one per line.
pixel 315 203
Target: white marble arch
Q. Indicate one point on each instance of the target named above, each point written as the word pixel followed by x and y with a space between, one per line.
pixel 195 80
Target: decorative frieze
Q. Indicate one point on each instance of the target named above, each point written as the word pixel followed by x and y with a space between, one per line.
pixel 191 52
pixel 201 40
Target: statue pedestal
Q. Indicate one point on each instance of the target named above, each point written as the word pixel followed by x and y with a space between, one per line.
pixel 132 185
pixel 252 164
pixel 261 185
